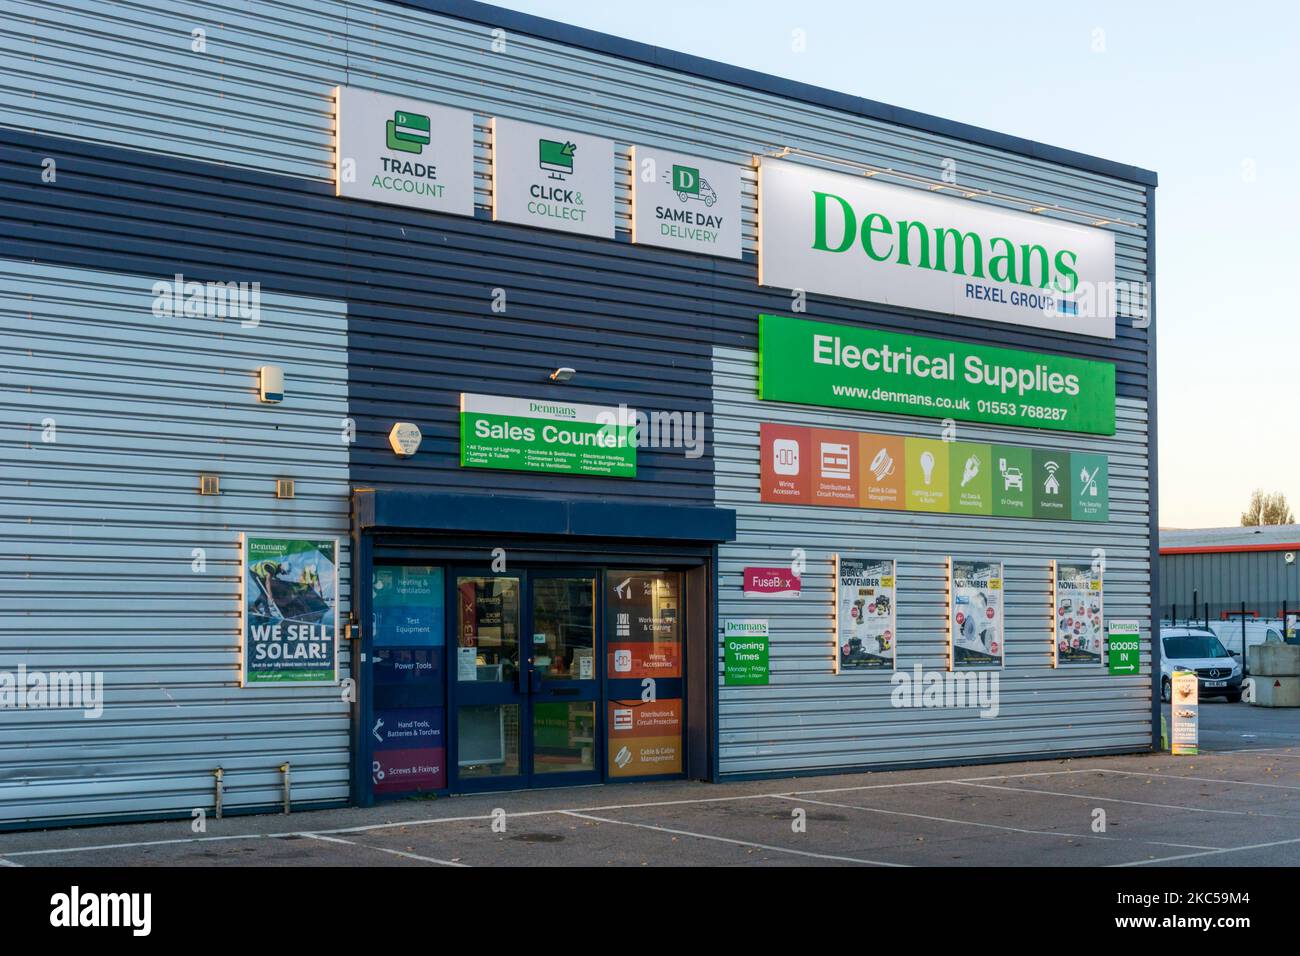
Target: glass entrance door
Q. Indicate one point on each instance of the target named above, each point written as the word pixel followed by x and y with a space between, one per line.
pixel 490 671
pixel 528 673
pixel 565 689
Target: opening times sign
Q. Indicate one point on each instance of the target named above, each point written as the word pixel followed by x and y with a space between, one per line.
pixel 847 469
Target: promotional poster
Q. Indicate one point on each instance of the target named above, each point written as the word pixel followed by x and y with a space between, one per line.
pixel 290 606
pixel 977 626
pixel 1078 616
pixel 866 615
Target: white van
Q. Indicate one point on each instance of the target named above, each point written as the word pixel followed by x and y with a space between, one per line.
pixel 1257 632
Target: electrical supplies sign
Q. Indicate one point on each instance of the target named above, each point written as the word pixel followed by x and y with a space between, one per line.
pixel 844 366
pixel 746 648
pixel 977 625
pixel 392 149
pixel 835 468
pixel 1078 615
pixel 853 237
pixel 290 605
pixel 552 178
pixel 684 203
pixel 521 434
pixel 866 623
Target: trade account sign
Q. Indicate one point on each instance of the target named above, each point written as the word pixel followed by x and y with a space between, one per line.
pixel 397 150
pixel 850 236
pixel 843 366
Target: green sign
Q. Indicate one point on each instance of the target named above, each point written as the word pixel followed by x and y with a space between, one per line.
pixel 291 589
pixel 745 652
pixel 842 366
pixel 1124 647
pixel 520 434
pixel 1013 474
pixel 408 132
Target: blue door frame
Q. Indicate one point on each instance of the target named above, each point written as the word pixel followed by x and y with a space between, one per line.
pixel 605 524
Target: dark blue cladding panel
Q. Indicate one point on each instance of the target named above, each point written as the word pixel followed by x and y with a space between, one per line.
pixel 638 323
pixel 419 290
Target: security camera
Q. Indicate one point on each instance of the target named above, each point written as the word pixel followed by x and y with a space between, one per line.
pixel 1289 557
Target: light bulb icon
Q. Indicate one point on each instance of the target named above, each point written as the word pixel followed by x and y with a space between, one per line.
pixel 927 466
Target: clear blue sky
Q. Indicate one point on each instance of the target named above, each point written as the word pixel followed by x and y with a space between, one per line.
pixel 1205 94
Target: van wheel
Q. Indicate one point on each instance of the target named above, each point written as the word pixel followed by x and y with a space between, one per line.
pixel 1234 697
pixel 1166 691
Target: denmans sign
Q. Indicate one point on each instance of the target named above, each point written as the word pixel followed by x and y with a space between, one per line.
pixel 849 236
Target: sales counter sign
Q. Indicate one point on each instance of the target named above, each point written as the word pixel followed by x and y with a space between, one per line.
pixel 843 366
pixel 393 149
pixel 520 434
pixel 290 611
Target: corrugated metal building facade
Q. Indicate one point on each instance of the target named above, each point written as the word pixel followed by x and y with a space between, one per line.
pixel 1215 571
pixel 218 163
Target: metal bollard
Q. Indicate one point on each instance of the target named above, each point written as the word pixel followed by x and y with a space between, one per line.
pixel 218 774
pixel 284 771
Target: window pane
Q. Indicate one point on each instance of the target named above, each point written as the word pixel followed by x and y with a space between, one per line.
pixel 564 628
pixel 487 629
pixel 643 623
pixel 564 737
pixel 488 740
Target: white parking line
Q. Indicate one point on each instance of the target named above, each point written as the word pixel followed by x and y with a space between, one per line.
pixel 720 839
pixel 4 862
pixel 380 849
pixel 467 818
pixel 146 843
pixel 992 826
pixel 1176 776
pixel 1189 856
pixel 474 817
pixel 1136 803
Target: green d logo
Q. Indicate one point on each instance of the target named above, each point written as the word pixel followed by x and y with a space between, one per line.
pixel 408 132
pixel 686 179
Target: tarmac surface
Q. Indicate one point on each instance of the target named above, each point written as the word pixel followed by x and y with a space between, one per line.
pixel 1236 804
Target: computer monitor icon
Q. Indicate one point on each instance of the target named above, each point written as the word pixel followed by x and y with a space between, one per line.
pixel 556 157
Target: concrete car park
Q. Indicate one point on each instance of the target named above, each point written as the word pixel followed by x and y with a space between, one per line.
pixel 1237 804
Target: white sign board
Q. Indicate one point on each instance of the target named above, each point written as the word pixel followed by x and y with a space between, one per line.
pixel 397 150
pixel 684 203
pixel 853 237
pixel 552 178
